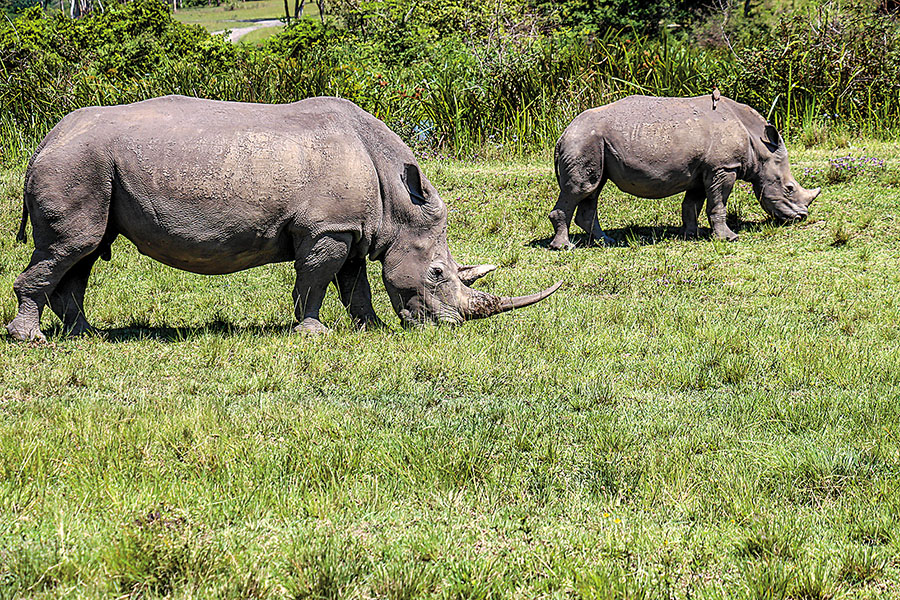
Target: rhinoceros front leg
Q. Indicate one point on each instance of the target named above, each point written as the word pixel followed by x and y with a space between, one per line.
pixel 718 188
pixel 690 211
pixel 356 295
pixel 317 264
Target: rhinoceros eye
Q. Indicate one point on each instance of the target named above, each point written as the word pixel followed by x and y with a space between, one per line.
pixel 437 272
pixel 789 188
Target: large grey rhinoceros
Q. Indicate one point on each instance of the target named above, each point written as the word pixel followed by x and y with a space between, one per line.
pixel 656 147
pixel 216 187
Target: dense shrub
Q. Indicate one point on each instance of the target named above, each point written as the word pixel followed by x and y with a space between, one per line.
pixel 647 16
pixel 128 40
pixel 54 64
pixel 459 77
pixel 301 37
pixel 843 63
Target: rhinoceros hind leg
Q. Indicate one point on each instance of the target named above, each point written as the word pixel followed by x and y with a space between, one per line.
pixel 67 300
pixel 68 222
pixel 39 281
pixel 586 218
pixel 690 211
pixel 561 217
pixel 584 198
pixel 356 294
pixel 317 263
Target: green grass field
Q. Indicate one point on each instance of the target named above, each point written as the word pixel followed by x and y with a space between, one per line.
pixel 260 35
pixel 231 15
pixel 683 419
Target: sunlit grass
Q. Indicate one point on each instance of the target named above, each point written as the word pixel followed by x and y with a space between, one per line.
pixel 682 419
pixel 260 35
pixel 229 15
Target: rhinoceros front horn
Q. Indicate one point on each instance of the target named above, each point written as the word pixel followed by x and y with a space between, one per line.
pixel 483 305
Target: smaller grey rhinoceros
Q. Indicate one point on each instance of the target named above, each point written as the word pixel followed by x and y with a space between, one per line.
pixel 656 147
pixel 217 187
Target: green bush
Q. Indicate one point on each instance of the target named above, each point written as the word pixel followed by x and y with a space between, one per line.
pixel 454 75
pixel 127 40
pixel 647 16
pixel 844 63
pixel 300 38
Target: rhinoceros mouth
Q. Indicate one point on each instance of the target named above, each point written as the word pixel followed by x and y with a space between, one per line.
pixel 446 316
pixel 787 217
pixel 785 212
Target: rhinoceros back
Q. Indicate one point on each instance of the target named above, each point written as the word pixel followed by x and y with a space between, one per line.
pixel 215 187
pixel 652 147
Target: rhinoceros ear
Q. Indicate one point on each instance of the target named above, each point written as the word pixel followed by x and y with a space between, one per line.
pixel 772 139
pixel 413 180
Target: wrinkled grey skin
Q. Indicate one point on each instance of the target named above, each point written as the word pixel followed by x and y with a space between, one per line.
pixel 216 187
pixel 656 147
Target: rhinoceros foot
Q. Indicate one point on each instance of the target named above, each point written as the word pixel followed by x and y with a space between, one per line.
pixel 81 329
pixel 370 323
pixel 690 233
pixel 311 326
pixel 566 245
pixel 25 332
pixel 725 234
pixel 601 239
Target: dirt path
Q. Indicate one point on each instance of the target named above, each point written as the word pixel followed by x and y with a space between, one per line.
pixel 238 32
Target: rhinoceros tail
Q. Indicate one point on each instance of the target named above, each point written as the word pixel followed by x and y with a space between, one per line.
pixel 20 237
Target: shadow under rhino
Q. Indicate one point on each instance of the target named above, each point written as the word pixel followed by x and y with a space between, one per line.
pixel 649 235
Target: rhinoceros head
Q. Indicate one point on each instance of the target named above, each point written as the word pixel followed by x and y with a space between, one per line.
pixel 778 192
pixel 424 282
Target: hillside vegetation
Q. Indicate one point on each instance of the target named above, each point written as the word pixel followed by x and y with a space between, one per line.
pixel 458 76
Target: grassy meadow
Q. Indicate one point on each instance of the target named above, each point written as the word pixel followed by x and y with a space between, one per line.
pixel 257 36
pixel 683 419
pixel 231 15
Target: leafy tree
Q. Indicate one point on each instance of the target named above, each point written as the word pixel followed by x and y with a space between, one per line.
pixel 297 39
pixel 12 7
pixel 600 15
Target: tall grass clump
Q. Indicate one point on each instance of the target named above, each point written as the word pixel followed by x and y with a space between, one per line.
pixel 840 63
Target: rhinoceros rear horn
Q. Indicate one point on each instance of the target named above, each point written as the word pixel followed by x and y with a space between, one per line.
pixel 468 274
pixel 812 195
pixel 483 305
